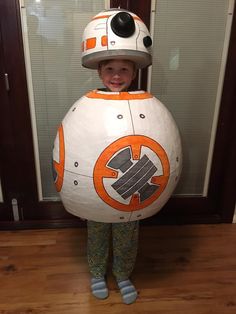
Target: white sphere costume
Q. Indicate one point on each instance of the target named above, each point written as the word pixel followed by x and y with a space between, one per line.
pixel 117 155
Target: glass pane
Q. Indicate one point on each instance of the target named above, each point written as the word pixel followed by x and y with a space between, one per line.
pixel 52 35
pixel 188 44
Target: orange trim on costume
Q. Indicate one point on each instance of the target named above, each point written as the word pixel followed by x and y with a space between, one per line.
pixel 120 96
pixel 107 16
pixel 101 17
pixel 90 43
pixel 104 40
pixel 59 166
pixel 101 171
pixel 137 18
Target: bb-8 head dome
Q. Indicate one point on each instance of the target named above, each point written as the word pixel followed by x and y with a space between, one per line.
pixel 118 34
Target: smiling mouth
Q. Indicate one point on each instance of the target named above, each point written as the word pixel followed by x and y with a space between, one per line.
pixel 116 83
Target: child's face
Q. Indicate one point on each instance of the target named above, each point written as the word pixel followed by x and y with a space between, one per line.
pixel 117 75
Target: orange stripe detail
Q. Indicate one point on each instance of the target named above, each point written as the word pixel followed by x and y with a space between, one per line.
pixel 107 16
pixel 101 17
pixel 59 167
pixel 120 96
pixel 104 40
pixel 90 43
pixel 137 18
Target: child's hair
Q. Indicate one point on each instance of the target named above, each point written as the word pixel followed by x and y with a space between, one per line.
pixel 105 62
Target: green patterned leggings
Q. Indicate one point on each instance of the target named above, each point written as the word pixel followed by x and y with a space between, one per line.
pixel 124 242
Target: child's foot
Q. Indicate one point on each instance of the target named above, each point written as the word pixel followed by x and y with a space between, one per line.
pixel 128 291
pixel 99 288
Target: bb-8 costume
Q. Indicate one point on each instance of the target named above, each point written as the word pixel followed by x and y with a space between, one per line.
pixel 117 155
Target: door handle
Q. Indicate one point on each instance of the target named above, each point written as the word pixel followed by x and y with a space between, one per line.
pixel 7 82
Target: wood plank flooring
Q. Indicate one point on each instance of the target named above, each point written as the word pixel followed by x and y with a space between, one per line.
pixel 180 269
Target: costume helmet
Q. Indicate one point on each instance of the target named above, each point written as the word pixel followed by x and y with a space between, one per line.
pixel 116 34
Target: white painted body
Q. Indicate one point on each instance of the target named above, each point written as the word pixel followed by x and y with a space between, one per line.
pixel 96 128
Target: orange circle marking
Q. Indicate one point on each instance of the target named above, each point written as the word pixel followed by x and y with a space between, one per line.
pixel 59 166
pixel 102 171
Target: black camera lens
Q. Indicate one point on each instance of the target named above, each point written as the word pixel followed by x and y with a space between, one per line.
pixel 147 41
pixel 122 24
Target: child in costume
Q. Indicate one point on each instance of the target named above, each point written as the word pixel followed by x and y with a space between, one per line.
pixel 117 74
pixel 126 175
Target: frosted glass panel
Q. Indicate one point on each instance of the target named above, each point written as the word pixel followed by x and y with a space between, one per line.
pixel 188 48
pixel 53 33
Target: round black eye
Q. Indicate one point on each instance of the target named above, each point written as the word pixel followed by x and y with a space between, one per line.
pixel 147 41
pixel 122 24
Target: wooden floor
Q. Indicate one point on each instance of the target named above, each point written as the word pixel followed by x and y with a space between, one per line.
pixel 180 270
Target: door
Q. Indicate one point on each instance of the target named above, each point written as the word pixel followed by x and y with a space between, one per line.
pixel 46 78
pixel 16 159
pixel 5 210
